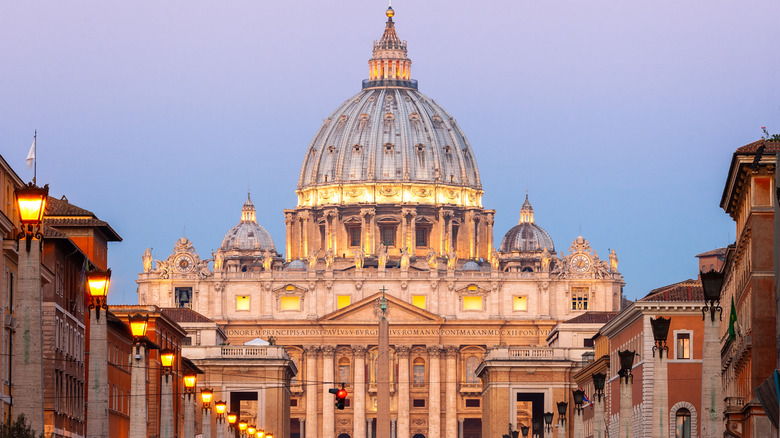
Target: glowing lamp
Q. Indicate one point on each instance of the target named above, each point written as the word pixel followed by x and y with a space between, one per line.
pixel 31 203
pixel 232 417
pixel 251 430
pixel 260 433
pixel 205 395
pixel 220 407
pixel 270 435
pixel 166 357
pixel 190 380
pixel 98 281
pixel 242 425
pixel 138 325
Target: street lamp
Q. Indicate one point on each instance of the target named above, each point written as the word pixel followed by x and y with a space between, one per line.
pixel 711 389
pixel 562 408
pixel 31 203
pixel 219 408
pixel 138 406
pixel 626 364
pixel 206 395
pixel 579 397
pixel 599 379
pixel 660 326
pixel 548 418
pixel 190 380
pixel 242 425
pixel 98 281
pixel 138 325
pixel 231 419
pixel 260 433
pixel 524 430
pixel 711 284
pixel 251 430
pixel 167 357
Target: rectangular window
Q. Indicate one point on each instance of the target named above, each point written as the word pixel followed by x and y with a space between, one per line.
pixel 419 301
pixel 418 374
pixel 354 236
pixel 388 235
pixel 291 303
pixel 421 236
pixel 579 298
pixel 454 243
pixel 683 345
pixel 293 402
pixel 344 374
pixel 472 402
pixel 343 301
pixel 587 342
pixel 183 296
pixel 418 403
pixel 472 303
pixel 242 302
pixel 520 304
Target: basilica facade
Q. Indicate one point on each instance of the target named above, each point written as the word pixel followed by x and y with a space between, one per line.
pixel 390 204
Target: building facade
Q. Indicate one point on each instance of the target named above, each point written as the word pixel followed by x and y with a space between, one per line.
pixel 390 205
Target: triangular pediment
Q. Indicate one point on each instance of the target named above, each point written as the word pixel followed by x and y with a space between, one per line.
pixel 366 310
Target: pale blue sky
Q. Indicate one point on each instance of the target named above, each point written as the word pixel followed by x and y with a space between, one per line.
pixel 618 117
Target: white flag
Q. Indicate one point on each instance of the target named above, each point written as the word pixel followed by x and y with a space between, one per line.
pixel 31 154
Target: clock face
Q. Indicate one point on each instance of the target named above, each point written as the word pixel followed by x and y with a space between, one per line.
pixel 183 263
pixel 580 263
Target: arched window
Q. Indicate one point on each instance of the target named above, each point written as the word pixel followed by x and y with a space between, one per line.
pixel 294 380
pixel 471 366
pixel 683 423
pixel 418 371
pixel 344 371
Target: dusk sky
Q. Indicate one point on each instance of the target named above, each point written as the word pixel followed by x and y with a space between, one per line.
pixel 619 118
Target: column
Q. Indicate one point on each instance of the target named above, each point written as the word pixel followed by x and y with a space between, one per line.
pixel 374 233
pixel 402 351
pixel 598 416
pixel 328 399
pixel 188 429
pixel 404 229
pixel 442 233
pixel 301 250
pixel 28 346
pixel 288 221
pixel 578 431
pixel 451 392
pixel 434 392
pixel 660 425
pixel 328 239
pixel 369 429
pixel 310 354
pixel 711 389
pixel 166 407
pixel 220 427
pixel 626 408
pixel 138 407
pixel 363 231
pixel 489 224
pixel 206 423
pixel 302 422
pixel 359 409
pixel 393 430
pixel 97 387
pixel 412 233
pixel 460 428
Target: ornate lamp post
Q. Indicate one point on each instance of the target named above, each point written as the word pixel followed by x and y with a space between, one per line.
pixel 231 419
pixel 205 395
pixel 260 433
pixel 562 408
pixel 548 419
pixel 626 393
pixel 28 355
pixel 711 389
pixel 537 425
pixel 97 410
pixel 660 326
pixel 579 397
pixel 511 434
pixel 220 407
pixel 599 379
pixel 167 358
pixel 250 430
pixel 242 425
pixel 138 407
pixel 190 380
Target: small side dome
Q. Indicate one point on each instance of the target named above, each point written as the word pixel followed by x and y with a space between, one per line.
pixel 296 265
pixel 471 266
pixel 526 236
pixel 248 234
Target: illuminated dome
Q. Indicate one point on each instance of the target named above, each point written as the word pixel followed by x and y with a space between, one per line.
pixel 526 236
pixel 248 234
pixel 389 139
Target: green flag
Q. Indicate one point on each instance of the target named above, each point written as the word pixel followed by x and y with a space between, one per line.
pixel 732 321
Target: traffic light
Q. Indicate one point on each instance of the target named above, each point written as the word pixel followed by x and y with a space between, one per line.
pixel 341 395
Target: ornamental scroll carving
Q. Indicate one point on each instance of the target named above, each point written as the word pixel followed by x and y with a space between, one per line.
pixel 403 350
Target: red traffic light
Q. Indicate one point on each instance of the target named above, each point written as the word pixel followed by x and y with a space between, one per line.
pixel 342 393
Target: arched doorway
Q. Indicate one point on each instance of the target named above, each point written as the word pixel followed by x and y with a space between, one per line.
pixel 344 435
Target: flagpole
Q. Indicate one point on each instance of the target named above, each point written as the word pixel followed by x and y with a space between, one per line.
pixel 35 156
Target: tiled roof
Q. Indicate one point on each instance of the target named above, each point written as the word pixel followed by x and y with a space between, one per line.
pixel 718 251
pixel 183 314
pixel 771 147
pixel 61 213
pixel 688 290
pixel 592 318
pixel 61 207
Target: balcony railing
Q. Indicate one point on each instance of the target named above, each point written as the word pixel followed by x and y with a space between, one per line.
pixel 235 352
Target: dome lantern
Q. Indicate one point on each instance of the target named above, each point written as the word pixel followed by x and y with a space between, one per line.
pixel 389 65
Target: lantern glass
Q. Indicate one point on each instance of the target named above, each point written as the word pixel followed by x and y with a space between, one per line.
pixel 598 381
pixel 260 433
pixel 524 430
pixel 548 418
pixel 232 417
pixel 206 395
pixel 562 408
pixel 190 380
pixel 166 357
pixel 98 281
pixel 270 435
pixel 660 326
pixel 242 425
pixel 711 284
pixel 220 407
pixel 626 359
pixel 31 203
pixel 138 324
pixel 251 430
pixel 579 396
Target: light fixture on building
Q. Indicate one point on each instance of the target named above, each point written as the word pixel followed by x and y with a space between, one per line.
pixel 524 430
pixel 512 433
pixel 205 396
pixel 167 356
pixel 97 282
pixel 599 379
pixel 562 408
pixel 220 407
pixel 711 284
pixel 660 326
pixel 626 364
pixel 242 425
pixel 190 380
pixel 231 419
pixel 31 204
pixel 579 397
pixel 260 433
pixel 548 418
pixel 138 325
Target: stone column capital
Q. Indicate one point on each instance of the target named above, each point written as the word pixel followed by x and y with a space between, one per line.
pixel 403 350
pixel 328 351
pixel 434 350
pixel 359 350
pixel 311 350
pixel 451 350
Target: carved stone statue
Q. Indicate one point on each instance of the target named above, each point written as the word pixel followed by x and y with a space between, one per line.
pixel 494 260
pixel 219 260
pixel 330 257
pixel 433 263
pixel 452 260
pixel 312 260
pixel 163 268
pixel 147 259
pixel 405 259
pixel 613 261
pixel 382 257
pixel 360 257
pixel 546 258
pixel 268 261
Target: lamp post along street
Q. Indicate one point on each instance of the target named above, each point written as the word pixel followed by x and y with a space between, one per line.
pixel 205 395
pixel 660 327
pixel 548 428
pixel 138 407
pixel 188 429
pixel 599 379
pixel 626 394
pixel 220 407
pixel 579 398
pixel 27 357
pixel 562 411
pixel 711 387
pixel 97 387
pixel 167 425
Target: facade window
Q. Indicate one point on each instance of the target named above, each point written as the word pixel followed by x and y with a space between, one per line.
pixel 472 402
pixel 388 235
pixel 471 366
pixel 183 297
pixel 579 298
pixel 454 243
pixel 343 301
pixel 242 302
pixel 520 304
pixel 421 236
pixel 683 345
pixel 419 301
pixel 418 403
pixel 344 371
pixel 472 303
pixel 682 423
pixel 354 236
pixel 290 303
pixel 322 236
pixel 418 371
